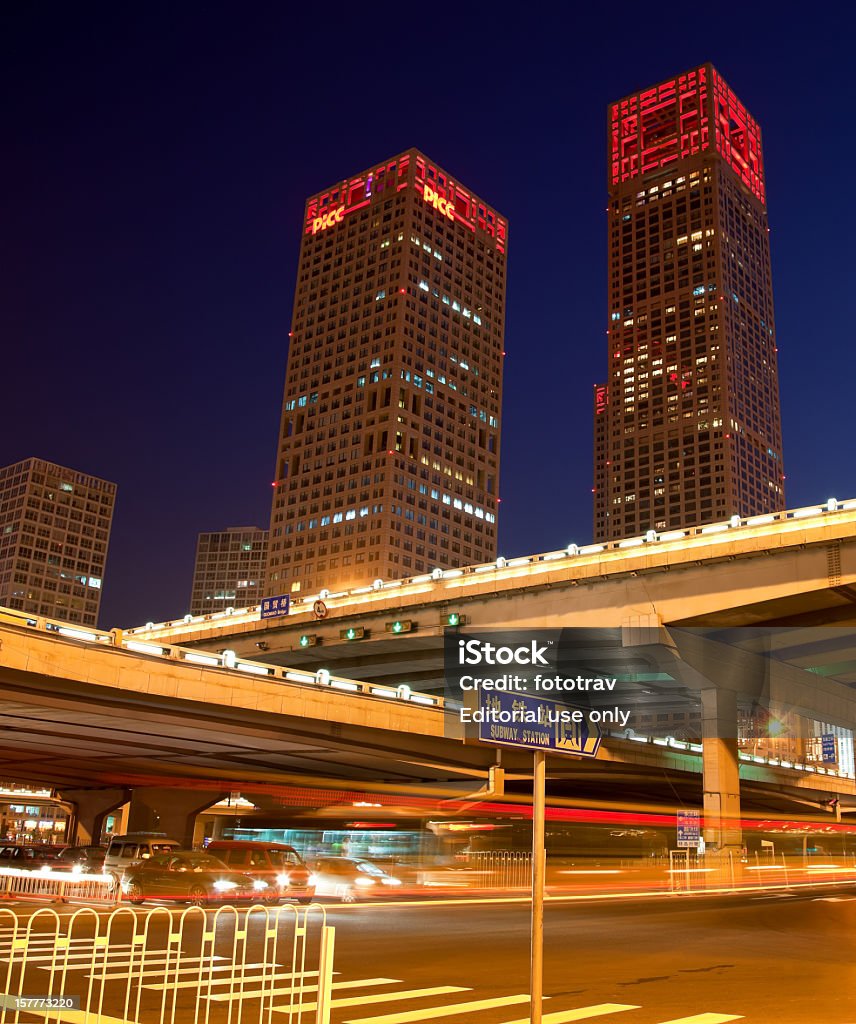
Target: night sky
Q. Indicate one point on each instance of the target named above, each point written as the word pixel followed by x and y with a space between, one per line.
pixel 156 162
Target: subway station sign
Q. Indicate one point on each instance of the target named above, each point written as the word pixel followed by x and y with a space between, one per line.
pixel 534 723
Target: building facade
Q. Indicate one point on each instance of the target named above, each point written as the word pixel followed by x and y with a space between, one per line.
pixel 230 569
pixel 54 534
pixel 388 453
pixel 687 425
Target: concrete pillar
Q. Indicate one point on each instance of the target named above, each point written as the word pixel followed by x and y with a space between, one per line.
pixel 721 770
pixel 91 808
pixel 173 811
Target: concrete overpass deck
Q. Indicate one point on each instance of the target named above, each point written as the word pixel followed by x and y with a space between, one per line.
pixel 90 708
pixel 793 567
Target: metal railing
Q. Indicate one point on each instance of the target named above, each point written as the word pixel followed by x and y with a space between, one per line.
pixel 232 966
pixel 55 886
pixel 501 869
pixel 227 660
pixel 438 578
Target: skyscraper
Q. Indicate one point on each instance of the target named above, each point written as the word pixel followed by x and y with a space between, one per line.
pixel 687 425
pixel 54 532
pixel 229 570
pixel 388 454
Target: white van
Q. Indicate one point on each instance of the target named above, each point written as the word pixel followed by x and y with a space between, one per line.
pixel 135 846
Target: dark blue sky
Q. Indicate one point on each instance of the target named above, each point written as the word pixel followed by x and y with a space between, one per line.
pixel 155 166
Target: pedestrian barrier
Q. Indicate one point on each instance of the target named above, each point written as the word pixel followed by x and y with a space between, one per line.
pixel 501 869
pixel 55 886
pixel 229 966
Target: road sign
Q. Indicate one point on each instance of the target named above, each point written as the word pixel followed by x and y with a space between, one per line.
pixel 274 607
pixel 689 829
pixel 533 723
pixel 827 748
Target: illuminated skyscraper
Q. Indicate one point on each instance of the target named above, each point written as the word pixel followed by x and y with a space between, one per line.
pixel 687 426
pixel 54 532
pixel 388 455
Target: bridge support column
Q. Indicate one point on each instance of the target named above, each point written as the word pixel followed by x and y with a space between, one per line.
pixel 91 807
pixel 721 771
pixel 173 811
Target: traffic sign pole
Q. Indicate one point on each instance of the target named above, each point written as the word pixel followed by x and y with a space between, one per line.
pixel 536 966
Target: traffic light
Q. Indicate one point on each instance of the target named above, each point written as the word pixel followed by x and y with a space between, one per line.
pixel 308 640
pixel 352 633
pixel 399 626
pixel 456 619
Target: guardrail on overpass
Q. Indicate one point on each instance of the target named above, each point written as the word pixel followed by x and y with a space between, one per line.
pixel 608 556
pixel 322 679
pixel 226 659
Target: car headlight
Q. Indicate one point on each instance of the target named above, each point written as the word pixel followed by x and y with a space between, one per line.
pixel 221 885
pixel 313 879
pixel 362 880
pixel 259 884
pixel 392 881
pixel 282 879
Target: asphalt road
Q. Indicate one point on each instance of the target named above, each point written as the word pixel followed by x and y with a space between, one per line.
pixel 762 958
pixel 768 960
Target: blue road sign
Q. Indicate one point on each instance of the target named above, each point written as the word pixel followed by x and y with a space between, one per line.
pixel 827 748
pixel 273 607
pixel 533 723
pixel 689 828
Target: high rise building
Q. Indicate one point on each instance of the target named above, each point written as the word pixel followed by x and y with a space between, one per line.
pixel 229 570
pixel 54 532
pixel 687 425
pixel 388 455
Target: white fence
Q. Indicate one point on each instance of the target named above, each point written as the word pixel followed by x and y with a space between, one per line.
pixel 502 869
pixel 55 886
pixel 231 966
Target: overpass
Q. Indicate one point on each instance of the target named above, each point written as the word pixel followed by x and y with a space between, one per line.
pixel 794 568
pixel 98 714
pixel 792 573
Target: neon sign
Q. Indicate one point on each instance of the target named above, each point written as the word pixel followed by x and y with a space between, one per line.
pixel 440 204
pixel 328 220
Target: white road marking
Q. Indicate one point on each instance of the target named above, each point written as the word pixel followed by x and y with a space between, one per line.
pixel 413 993
pixel 194 971
pixel 706 1018
pixel 581 1013
pixel 87 961
pixel 249 979
pixel 77 1017
pixel 433 1012
pixel 257 991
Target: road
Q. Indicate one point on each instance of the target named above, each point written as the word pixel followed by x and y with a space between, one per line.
pixel 762 958
pixel 765 959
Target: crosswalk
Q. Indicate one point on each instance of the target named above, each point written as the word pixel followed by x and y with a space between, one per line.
pixel 484 1011
pixel 362 1000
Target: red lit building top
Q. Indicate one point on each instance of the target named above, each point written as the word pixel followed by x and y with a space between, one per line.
pixel 435 186
pixel 678 118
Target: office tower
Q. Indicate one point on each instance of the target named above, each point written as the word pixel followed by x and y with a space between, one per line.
pixel 54 531
pixel 687 426
pixel 388 456
pixel 229 570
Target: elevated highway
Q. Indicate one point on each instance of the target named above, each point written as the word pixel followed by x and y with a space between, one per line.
pixel 797 568
pixel 185 711
pixel 99 715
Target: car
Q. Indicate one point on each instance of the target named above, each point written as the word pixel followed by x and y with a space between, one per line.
pixel 188 876
pixel 350 879
pixel 278 864
pixel 23 855
pixel 85 859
